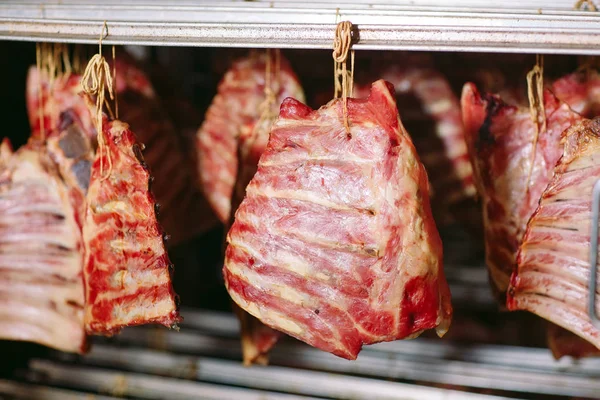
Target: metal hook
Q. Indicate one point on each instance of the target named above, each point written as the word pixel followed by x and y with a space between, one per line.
pixel 592 290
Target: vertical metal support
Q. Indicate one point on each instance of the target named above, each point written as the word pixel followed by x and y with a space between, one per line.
pixel 594 256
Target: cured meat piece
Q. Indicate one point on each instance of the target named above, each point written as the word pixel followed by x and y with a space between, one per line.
pixel 41 284
pixel 236 105
pixel 510 178
pixel 334 243
pixel 126 267
pixel 184 212
pixel 431 113
pixel 552 276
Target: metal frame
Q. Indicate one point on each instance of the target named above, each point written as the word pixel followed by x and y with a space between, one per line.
pixel 527 26
pixel 593 286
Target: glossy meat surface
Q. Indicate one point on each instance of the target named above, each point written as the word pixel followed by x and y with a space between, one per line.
pixel 236 106
pixel 553 260
pixel 126 268
pixel 41 283
pixel 334 243
pixel 510 179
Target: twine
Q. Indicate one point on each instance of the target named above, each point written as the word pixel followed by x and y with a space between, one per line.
pixel 341 46
pixel 535 93
pixel 96 80
pixel 589 5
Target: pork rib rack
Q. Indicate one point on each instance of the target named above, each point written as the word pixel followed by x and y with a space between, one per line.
pixel 553 261
pixel 510 176
pixel 334 243
pixel 41 283
pixel 126 269
pixel 236 105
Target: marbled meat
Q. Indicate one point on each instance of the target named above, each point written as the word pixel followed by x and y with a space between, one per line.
pixel 334 243
pixel 552 275
pixel 126 269
pixel 509 176
pixel 236 105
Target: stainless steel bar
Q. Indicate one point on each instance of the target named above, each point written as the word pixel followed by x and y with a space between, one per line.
pixel 28 391
pixel 593 286
pixel 272 378
pixel 197 336
pixel 518 375
pixel 475 26
pixel 121 384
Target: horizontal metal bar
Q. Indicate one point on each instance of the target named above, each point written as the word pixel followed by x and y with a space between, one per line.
pixel 446 364
pixel 204 323
pixel 28 391
pixel 121 384
pixel 271 378
pixel 285 24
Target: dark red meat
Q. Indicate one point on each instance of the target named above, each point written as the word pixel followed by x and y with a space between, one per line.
pixel 334 243
pixel 184 212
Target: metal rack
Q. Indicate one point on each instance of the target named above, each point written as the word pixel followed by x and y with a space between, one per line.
pixel 527 26
pixel 203 360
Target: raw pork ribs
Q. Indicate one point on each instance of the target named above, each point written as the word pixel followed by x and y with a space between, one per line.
pixel 553 261
pixel 334 243
pixel 126 267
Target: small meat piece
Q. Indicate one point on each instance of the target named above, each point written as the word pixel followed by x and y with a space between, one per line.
pixel 126 267
pixel 552 276
pixel 510 179
pixel 564 343
pixel 334 243
pixel 257 338
pixel 236 105
pixel 184 212
pixel 41 283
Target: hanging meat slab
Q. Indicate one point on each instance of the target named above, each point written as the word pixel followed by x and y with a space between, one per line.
pixel 237 104
pixel 510 176
pixel 184 212
pixel 334 243
pixel 553 261
pixel 41 283
pixel 126 269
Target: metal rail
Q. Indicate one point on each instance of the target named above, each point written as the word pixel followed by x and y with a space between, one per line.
pixel 529 26
pixel 593 286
